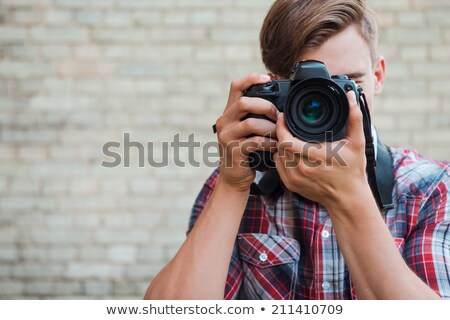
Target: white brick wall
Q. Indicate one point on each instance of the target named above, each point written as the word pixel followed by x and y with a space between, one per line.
pixel 75 74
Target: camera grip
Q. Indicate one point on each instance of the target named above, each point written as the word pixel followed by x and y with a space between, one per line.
pixel 260 160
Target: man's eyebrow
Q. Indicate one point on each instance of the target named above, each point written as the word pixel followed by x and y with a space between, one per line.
pixel 356 75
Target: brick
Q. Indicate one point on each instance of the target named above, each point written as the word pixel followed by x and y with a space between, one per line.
pixel 92 253
pixel 153 254
pixel 440 87
pixel 208 54
pixel 38 288
pixel 85 3
pixel 414 54
pixel 389 5
pixel 59 17
pixel 8 235
pixel 124 219
pixel 32 154
pixel 91 18
pixel 12 34
pixel 95 271
pixel 60 236
pixel 5 271
pixel 62 253
pixel 146 18
pixel 8 253
pixel 431 4
pixel 26 17
pixel 410 105
pixel 84 187
pixel 59 35
pixel 37 270
pixel 119 36
pixel 87 52
pixel 55 51
pixel 99 289
pixel 411 18
pixel 178 34
pixel 117 19
pixel 430 70
pixel 24 70
pixel 233 17
pixel 437 137
pixel 84 69
pixel 439 18
pixel 435 121
pixel 122 254
pixel 86 220
pixel 175 18
pixel 204 17
pixel 143 186
pixel 138 4
pixel 66 288
pixel 24 187
pixel 440 53
pixel 414 35
pixel 141 70
pixel 11 288
pixel 122 236
pixel 412 122
pixel 117 52
pixel 34 253
pixel 25 3
pixel 234 35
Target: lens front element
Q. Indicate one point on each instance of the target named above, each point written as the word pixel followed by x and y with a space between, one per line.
pixel 317 110
pixel 312 110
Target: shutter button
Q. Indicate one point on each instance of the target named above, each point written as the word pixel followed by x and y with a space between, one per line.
pixel 263 257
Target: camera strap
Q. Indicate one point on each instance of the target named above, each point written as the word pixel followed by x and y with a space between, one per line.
pixel 379 168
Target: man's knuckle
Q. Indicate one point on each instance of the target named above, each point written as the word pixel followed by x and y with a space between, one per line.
pixel 248 124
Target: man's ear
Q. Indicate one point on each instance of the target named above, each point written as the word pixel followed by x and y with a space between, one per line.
pixel 379 69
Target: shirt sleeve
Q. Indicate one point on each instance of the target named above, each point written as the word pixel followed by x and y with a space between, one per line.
pixel 427 248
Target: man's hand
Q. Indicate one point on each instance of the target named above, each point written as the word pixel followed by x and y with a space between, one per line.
pixel 327 173
pixel 238 138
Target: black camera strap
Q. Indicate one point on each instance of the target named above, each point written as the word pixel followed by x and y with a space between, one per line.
pixel 379 168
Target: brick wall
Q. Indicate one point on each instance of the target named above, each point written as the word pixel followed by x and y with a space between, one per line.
pixel 75 74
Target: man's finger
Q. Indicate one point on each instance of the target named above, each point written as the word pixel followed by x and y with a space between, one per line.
pixel 355 129
pixel 288 143
pixel 238 86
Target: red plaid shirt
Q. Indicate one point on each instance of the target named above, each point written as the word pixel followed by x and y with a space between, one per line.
pixel 287 249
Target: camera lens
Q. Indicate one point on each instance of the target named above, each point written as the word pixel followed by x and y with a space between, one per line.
pixel 316 110
pixel 312 110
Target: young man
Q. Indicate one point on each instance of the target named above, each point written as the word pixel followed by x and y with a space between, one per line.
pixel 324 237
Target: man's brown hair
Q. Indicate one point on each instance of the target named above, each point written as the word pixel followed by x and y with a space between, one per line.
pixel 292 27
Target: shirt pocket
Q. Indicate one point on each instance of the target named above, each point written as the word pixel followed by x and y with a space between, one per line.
pixel 270 266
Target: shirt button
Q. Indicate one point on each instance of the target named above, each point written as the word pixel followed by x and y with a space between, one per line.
pixel 326 285
pixel 325 234
pixel 263 257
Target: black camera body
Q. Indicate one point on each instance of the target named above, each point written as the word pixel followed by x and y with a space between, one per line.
pixel 315 105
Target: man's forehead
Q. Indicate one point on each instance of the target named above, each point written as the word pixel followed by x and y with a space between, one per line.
pixel 345 53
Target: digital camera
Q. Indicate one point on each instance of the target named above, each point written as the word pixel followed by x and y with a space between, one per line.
pixel 315 105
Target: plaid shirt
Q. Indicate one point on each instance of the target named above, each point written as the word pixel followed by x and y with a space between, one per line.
pixel 287 249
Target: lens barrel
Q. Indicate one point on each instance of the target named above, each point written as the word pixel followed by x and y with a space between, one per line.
pixel 317 110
